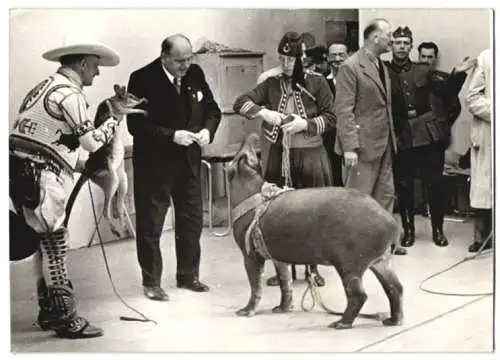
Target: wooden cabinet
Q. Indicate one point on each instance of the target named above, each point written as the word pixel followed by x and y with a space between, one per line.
pixel 230 74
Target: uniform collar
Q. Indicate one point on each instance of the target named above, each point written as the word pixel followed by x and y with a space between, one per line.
pixel 406 66
pixel 169 75
pixel 71 74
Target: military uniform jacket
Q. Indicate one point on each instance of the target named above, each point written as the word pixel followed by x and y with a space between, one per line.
pixel 314 103
pixel 424 103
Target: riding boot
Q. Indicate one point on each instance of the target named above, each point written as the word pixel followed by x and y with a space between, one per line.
pixel 407 214
pixel 46 314
pixel 68 324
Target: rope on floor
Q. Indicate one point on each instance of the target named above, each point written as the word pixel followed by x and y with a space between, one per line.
pixel 467 258
pixel 101 243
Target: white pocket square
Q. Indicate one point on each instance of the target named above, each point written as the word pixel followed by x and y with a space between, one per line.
pixel 199 95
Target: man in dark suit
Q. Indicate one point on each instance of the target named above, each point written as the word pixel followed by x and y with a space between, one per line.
pixel 422 121
pixel 182 117
pixel 365 131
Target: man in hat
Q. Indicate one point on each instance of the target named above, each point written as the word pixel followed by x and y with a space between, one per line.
pixel 308 41
pixel 365 131
pixel 296 107
pixel 52 126
pixel 422 126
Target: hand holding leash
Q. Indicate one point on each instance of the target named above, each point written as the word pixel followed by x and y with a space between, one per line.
pixel 184 137
pixel 270 116
pixel 350 158
pixel 298 124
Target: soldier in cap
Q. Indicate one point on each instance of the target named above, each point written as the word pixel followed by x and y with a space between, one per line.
pixel 52 126
pixel 296 104
pixel 422 126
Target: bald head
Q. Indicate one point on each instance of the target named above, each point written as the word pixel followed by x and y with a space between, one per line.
pixel 377 36
pixel 176 54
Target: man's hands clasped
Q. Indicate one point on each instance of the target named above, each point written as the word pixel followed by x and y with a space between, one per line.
pixel 186 138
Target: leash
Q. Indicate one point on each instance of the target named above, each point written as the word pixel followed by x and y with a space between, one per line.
pixel 312 288
pixel 101 243
pixel 467 258
pixel 285 160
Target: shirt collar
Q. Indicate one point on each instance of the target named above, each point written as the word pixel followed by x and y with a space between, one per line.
pixel 169 75
pixel 71 74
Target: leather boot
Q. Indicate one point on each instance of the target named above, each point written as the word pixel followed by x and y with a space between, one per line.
pixel 69 324
pixel 438 237
pixel 46 314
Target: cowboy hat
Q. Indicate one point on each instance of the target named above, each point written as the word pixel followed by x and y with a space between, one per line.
pixel 107 56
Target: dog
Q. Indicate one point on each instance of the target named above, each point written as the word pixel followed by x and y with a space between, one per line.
pixel 333 226
pixel 106 167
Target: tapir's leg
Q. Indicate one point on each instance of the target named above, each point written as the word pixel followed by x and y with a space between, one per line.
pixel 356 297
pixel 254 266
pixel 392 288
pixel 285 279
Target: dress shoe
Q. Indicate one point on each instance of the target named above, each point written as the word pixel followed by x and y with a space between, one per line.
pixel 408 238
pixel 155 293
pixel 474 248
pixel 439 238
pixel 194 285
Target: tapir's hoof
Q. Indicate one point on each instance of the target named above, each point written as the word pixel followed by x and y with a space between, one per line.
pixel 392 322
pixel 246 312
pixel 116 233
pixel 282 309
pixel 339 325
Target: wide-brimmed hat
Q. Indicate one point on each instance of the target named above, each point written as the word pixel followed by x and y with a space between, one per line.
pixel 107 56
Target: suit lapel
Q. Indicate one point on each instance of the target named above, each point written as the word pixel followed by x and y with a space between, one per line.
pixel 371 71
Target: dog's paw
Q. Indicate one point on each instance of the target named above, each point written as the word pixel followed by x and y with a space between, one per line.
pixel 282 309
pixel 246 312
pixel 392 322
pixel 339 325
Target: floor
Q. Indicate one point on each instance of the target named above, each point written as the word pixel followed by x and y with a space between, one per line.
pixel 192 322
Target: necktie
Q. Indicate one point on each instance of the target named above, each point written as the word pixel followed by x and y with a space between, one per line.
pixel 381 72
pixel 177 83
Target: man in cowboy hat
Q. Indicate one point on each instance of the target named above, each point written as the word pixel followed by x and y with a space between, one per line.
pixel 52 126
pixel 304 99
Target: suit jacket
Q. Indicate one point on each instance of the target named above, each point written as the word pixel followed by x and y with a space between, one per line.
pixel 363 109
pixel 168 111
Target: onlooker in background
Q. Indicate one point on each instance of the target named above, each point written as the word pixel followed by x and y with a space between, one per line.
pixel 428 53
pixel 479 102
pixel 182 116
pixel 337 54
pixel 365 131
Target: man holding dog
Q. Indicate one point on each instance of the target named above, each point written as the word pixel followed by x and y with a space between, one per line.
pixel 52 126
pixel 182 116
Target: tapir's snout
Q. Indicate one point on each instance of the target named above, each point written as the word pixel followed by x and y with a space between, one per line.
pixel 248 150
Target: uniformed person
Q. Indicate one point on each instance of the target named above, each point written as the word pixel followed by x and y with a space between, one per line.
pixel 422 122
pixel 297 103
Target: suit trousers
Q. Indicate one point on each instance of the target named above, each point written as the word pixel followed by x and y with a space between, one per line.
pixel 374 178
pixel 154 185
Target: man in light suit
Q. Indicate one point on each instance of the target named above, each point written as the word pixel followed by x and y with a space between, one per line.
pixel 182 116
pixel 365 130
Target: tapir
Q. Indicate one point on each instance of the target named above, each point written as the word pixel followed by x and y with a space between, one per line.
pixel 331 226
